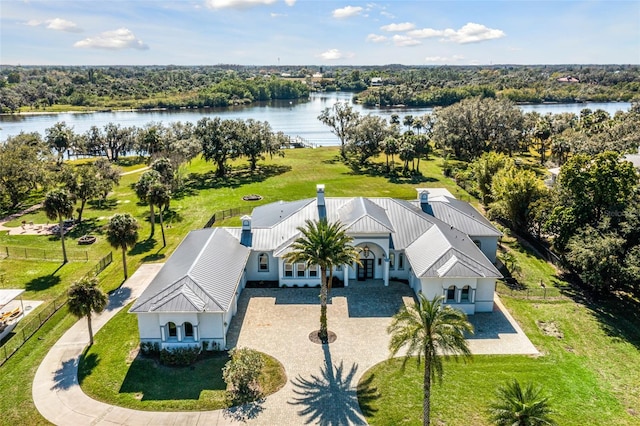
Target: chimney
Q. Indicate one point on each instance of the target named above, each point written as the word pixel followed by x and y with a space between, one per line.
pixel 423 198
pixel 246 223
pixel 320 193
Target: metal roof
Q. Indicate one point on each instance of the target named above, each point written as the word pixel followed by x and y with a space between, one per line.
pixel 363 216
pixel 202 275
pixel 461 215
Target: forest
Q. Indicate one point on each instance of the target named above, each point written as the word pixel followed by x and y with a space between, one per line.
pixel 63 88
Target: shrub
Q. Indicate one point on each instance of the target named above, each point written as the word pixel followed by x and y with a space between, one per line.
pixel 179 356
pixel 150 348
pixel 241 374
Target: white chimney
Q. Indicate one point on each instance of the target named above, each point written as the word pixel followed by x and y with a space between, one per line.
pixel 246 223
pixel 423 195
pixel 320 193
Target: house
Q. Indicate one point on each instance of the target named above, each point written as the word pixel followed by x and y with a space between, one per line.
pixel 568 79
pixel 437 244
pixel 376 82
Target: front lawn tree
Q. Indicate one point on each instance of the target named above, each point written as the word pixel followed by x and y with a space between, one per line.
pixel 341 118
pixel 518 406
pixel 326 245
pixel 160 196
pixel 146 181
pixel 58 206
pixel 85 298
pixel 429 331
pixel 83 183
pixel 122 233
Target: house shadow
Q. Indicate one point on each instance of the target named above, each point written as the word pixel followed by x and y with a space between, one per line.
pixel 154 382
pixel 66 376
pixel 328 397
pixel 489 325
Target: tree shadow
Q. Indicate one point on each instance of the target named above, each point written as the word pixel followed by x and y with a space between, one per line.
pixel 143 246
pixel 44 282
pixel 329 397
pixel 66 376
pixel 86 365
pixel 367 395
pixel 118 297
pixel 245 411
pixel 395 176
pixel 108 204
pixel 235 178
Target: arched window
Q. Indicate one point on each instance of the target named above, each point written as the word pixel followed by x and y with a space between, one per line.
pixel 173 330
pixel 451 294
pixel 401 261
pixel 392 260
pixel 464 296
pixel 188 329
pixel 263 262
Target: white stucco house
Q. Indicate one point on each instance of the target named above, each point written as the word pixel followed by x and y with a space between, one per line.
pixel 437 244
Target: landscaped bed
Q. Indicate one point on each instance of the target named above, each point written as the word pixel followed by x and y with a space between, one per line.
pixel 114 371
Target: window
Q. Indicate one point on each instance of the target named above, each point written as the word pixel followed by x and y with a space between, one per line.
pixel 313 271
pixel 288 270
pixel 188 329
pixel 263 262
pixel 451 294
pixel 300 270
pixel 392 260
pixel 401 261
pixel 173 330
pixel 464 297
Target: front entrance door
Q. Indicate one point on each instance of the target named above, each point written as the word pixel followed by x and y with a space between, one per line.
pixel 365 271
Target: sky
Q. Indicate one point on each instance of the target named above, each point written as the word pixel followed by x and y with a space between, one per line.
pixel 320 32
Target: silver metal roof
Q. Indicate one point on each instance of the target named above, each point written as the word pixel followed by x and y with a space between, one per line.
pixel 461 215
pixel 202 275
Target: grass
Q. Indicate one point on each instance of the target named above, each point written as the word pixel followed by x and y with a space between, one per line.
pixel 584 368
pixel 112 371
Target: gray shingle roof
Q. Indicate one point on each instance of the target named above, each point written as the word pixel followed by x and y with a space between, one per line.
pixel 202 275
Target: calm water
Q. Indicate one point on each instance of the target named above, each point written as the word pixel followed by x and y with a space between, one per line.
pixel 295 118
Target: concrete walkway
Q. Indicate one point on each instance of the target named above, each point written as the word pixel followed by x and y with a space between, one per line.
pixel 322 379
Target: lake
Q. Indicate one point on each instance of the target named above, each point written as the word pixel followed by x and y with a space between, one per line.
pixel 294 118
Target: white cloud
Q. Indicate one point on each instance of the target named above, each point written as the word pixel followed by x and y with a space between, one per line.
pixel 347 12
pixel 376 38
pixel 444 59
pixel 56 24
pixel 278 15
pixel 334 55
pixel 290 2
pixel 405 26
pixel 238 4
pixel 387 14
pixel 469 33
pixel 119 39
pixel 403 41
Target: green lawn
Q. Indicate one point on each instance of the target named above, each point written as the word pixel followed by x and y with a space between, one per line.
pixel 595 359
pixel 586 370
pixel 112 371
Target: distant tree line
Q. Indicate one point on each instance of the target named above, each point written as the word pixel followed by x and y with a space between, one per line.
pixel 208 86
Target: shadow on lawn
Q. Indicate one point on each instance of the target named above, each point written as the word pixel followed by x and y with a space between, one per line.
pixel 396 175
pixel 86 365
pixel 234 179
pixel 156 382
pixel 44 282
pixel 329 398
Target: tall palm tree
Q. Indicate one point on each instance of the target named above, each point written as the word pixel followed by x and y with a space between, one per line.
pixel 146 181
pixel 326 245
pixel 159 195
pixel 85 297
pixel 58 205
pixel 122 232
pixel 426 328
pixel 517 406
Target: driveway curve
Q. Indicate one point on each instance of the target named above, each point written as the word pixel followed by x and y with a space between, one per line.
pixel 322 379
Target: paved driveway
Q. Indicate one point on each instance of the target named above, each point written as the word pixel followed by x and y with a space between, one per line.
pixel 321 378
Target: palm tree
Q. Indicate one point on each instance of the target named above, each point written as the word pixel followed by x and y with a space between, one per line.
pixel 58 205
pixel 516 406
pixel 85 297
pixel 325 245
pixel 148 179
pixel 122 232
pixel 426 328
pixel 159 195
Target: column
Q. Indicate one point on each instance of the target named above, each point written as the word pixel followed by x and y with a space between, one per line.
pixel 345 273
pixel 195 333
pixel 179 332
pixel 163 337
pixel 472 296
pixel 385 271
